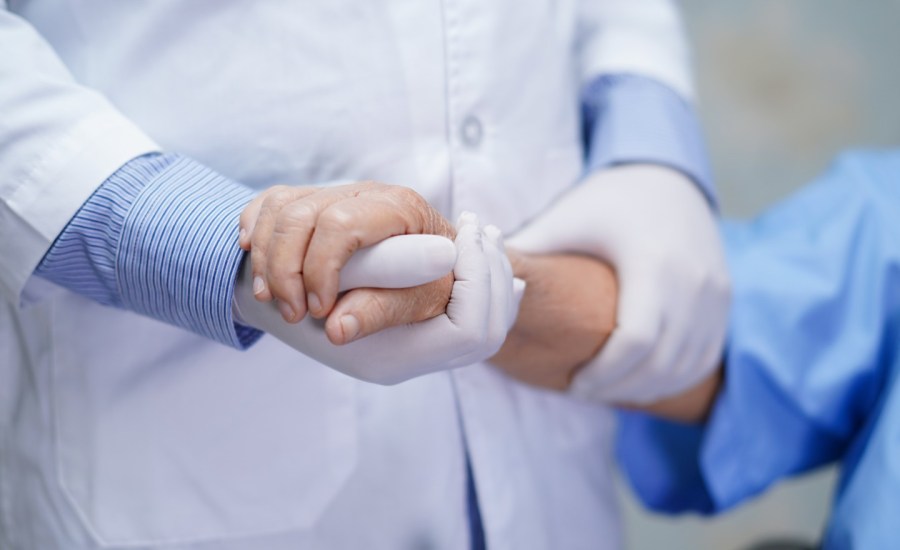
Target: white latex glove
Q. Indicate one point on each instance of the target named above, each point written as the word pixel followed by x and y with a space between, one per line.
pixel 657 230
pixel 483 305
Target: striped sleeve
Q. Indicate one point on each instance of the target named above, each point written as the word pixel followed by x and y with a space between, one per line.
pixel 633 119
pixel 159 238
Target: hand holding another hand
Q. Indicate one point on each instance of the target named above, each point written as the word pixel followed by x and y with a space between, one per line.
pixel 301 238
pixel 655 228
pixel 410 331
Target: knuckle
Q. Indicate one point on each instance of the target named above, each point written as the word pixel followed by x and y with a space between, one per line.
pixel 282 278
pixel 280 189
pixel 278 284
pixel 277 196
pixel 336 219
pixel 366 186
pixel 259 243
pixel 283 290
pixel 403 192
pixel 276 273
pixel 318 270
pixel 280 269
pixel 413 198
pixel 402 195
pixel 299 215
pixel 420 210
pixel 259 257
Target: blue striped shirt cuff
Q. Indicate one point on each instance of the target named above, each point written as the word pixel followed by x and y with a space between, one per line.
pixel 159 238
pixel 632 119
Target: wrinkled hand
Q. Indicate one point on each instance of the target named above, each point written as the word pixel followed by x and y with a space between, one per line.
pixel 301 237
pixel 657 230
pixel 483 305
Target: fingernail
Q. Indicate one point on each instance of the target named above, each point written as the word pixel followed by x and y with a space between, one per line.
pixel 350 327
pixel 286 311
pixel 259 286
pixel 313 302
pixel 242 235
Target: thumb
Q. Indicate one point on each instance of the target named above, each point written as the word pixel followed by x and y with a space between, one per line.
pixel 365 311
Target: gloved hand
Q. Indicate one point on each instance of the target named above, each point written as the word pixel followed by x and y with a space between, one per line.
pixel 657 230
pixel 483 306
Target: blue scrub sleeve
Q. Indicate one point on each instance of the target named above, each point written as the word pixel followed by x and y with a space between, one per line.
pixel 630 119
pixel 812 339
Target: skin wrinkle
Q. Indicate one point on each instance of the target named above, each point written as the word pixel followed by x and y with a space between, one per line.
pixel 567 314
pixel 277 226
pixel 408 207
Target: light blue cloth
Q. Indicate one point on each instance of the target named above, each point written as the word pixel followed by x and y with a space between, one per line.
pixel 812 363
pixel 632 119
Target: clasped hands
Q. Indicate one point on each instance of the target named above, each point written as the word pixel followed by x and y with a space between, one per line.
pixel 649 331
pixel 301 238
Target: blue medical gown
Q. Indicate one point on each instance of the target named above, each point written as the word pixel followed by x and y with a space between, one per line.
pixel 811 363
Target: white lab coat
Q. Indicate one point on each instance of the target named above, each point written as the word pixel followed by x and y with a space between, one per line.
pixel 119 431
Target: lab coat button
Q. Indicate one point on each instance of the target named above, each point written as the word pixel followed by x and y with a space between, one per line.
pixel 472 132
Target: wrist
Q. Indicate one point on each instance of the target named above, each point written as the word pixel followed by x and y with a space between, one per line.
pixel 566 315
pixel 691 406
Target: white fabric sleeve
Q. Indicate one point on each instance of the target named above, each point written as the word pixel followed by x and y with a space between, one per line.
pixel 642 37
pixel 58 142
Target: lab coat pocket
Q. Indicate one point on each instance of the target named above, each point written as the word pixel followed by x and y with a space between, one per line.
pixel 164 438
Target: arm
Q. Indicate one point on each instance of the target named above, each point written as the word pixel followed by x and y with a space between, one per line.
pixel 812 334
pixel 161 222
pixel 58 142
pixel 74 192
pixel 566 315
pixel 154 235
pixel 657 231
pixel 692 406
pixel 647 220
pixel 639 209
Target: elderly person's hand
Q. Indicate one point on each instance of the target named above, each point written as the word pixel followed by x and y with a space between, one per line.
pixel 482 308
pixel 301 237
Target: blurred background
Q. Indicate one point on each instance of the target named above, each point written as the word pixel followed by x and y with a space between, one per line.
pixel 783 86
